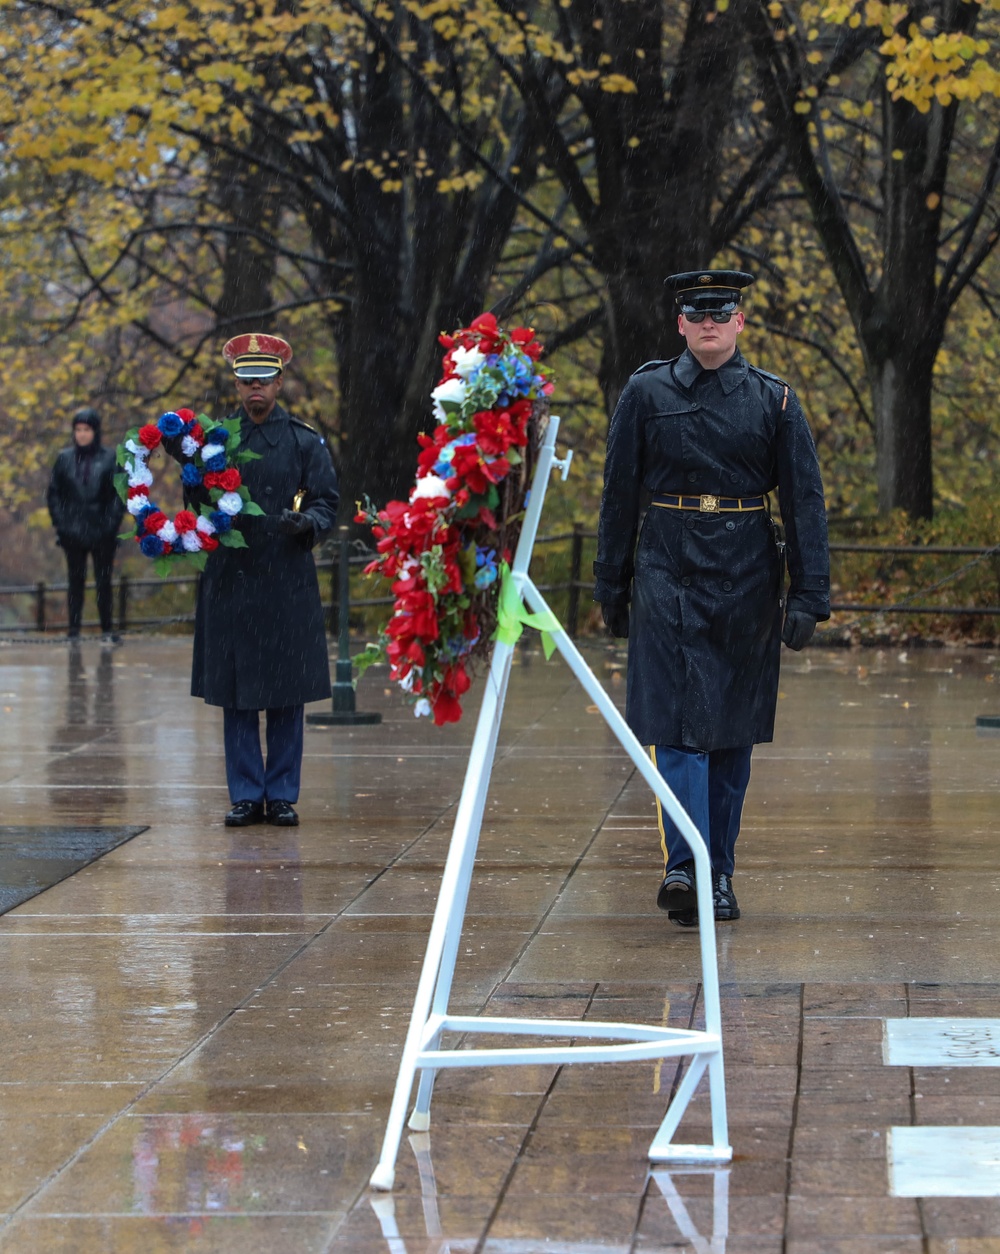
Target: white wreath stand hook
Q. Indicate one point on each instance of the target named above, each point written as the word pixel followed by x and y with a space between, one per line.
pixel 601 1042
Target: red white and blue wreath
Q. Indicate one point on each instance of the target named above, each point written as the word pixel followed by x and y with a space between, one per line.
pixel 209 453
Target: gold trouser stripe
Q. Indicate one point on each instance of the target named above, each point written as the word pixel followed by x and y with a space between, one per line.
pixel 659 811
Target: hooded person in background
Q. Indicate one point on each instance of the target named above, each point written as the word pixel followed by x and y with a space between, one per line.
pixel 86 512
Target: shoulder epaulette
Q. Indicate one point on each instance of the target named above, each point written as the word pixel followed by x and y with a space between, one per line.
pixel 653 365
pixel 766 374
pixel 297 422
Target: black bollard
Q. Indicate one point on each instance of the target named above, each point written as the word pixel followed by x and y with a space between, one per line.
pixel 343 711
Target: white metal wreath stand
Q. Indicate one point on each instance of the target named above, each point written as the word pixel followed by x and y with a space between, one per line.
pixel 430 1019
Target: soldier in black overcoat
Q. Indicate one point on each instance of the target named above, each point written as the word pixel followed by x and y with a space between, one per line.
pixel 259 637
pixel 86 512
pixel 695 446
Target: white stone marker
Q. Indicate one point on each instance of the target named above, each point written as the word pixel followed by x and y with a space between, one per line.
pixel 941 1043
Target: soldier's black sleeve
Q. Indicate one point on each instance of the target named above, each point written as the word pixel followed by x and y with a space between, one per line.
pixel 322 495
pixel 803 512
pixel 623 470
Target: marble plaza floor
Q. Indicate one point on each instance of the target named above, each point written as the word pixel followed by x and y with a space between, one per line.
pixel 201 1030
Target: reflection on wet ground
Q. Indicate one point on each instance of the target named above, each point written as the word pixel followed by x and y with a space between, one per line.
pixel 202 1029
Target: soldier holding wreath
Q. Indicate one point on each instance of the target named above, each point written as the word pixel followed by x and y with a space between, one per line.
pixel 259 638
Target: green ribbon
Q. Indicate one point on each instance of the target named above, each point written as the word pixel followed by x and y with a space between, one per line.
pixel 513 617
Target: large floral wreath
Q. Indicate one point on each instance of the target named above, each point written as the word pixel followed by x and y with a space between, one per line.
pixel 446 547
pixel 209 451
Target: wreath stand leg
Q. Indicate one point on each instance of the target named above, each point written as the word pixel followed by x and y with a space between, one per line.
pixel 430 1018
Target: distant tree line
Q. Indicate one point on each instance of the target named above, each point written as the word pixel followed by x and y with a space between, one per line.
pixel 362 174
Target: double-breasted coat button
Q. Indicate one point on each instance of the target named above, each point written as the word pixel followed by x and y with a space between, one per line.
pixel 730 525
pixel 690 524
pixel 727 585
pixel 686 581
pixel 692 476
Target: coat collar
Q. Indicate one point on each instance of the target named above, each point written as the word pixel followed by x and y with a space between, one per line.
pixel 687 371
pixel 270 430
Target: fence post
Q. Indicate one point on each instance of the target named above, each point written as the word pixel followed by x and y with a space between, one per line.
pixel 343 710
pixel 123 602
pixel 40 605
pixel 575 564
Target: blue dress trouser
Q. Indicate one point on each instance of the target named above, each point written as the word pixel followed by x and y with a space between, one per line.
pixel 711 787
pixel 248 777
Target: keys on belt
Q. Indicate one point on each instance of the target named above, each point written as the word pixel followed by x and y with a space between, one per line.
pixel 709 504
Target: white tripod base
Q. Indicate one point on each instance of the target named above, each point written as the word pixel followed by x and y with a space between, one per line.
pixel 430 1019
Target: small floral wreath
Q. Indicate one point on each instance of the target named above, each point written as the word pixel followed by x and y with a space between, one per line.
pixel 446 547
pixel 209 450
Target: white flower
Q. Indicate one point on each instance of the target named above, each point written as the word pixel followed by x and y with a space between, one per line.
pixel 191 541
pixel 212 450
pixel 139 475
pixel 139 450
pixel 230 503
pixel 205 525
pixel 189 446
pixel 467 361
pixel 136 504
pixel 422 709
pixel 406 683
pixel 168 533
pixel 430 485
pixel 452 390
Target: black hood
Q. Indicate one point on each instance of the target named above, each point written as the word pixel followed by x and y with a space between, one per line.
pixel 93 419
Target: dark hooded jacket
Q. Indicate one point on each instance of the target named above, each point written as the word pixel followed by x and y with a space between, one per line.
pixel 705 629
pixel 85 508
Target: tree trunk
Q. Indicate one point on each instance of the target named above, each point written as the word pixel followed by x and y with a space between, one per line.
pixel 901 392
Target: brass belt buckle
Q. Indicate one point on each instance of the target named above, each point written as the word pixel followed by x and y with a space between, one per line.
pixel 708 504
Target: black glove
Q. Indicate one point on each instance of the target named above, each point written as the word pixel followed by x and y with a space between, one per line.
pixel 798 629
pixel 292 523
pixel 615 615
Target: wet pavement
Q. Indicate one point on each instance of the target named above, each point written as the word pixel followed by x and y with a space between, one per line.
pixel 202 1028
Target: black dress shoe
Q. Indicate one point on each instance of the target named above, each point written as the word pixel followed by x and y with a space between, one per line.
pixel 677 893
pixel 245 814
pixel 281 814
pixel 726 907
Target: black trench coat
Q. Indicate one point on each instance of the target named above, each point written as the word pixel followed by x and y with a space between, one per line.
pixel 705 629
pixel 259 635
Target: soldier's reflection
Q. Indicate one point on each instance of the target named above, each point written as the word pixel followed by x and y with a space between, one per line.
pixel 263 871
pixel 86 766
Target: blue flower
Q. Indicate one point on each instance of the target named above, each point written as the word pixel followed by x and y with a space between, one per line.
pixel 152 546
pixel 218 435
pixel 171 424
pixel 486 562
pixel 220 521
pixel 218 462
pixel 190 475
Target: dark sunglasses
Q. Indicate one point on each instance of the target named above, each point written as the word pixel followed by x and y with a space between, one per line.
pixel 700 315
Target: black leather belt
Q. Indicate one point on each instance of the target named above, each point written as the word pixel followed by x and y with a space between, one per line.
pixel 709 504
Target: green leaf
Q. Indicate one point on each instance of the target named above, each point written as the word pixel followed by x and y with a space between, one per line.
pixel 163 566
pixel 244 492
pixel 233 540
pixel 247 455
pixel 252 508
pixel 371 656
pixel 121 486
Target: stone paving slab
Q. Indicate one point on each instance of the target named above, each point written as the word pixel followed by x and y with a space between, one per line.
pixel 202 1029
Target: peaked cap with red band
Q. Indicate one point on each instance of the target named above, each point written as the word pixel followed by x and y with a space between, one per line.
pixel 257 356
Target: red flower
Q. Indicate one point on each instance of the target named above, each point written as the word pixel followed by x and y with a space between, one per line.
pixel 186 414
pixel 197 433
pixel 137 491
pixel 155 520
pixel 150 435
pixel 185 521
pixel 468 464
pixel 229 479
pixel 208 543
pixel 498 429
pixel 212 479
